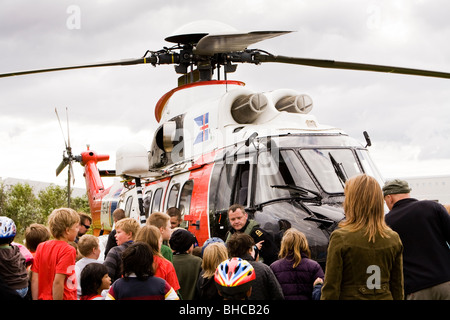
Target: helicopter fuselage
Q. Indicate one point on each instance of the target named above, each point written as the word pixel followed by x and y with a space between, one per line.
pixel 282 165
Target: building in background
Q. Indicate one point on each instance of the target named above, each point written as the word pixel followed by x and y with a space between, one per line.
pixel 436 188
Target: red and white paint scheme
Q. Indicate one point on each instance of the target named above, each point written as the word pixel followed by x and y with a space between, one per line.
pixel 219 143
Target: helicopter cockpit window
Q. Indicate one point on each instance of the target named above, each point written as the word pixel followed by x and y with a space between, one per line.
pixel 157 200
pixel 331 167
pixel 285 172
pixel 173 195
pixel 368 165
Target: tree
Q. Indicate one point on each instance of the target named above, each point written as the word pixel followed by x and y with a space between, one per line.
pixel 3 197
pixel 22 206
pixel 51 198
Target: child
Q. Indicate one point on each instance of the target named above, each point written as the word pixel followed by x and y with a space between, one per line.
pixel 93 280
pixel 13 270
pixel 138 282
pixel 126 230
pixel 187 266
pixel 53 269
pixel 213 255
pixel 162 267
pixel 234 278
pixel 89 248
pixel 297 274
pixel 34 235
pixel 162 222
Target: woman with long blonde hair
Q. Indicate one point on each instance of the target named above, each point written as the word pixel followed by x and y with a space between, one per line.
pixel 364 259
pixel 364 207
pixel 295 271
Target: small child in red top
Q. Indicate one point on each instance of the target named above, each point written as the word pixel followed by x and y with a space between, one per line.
pixel 53 269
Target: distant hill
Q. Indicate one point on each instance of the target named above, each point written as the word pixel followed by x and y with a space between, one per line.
pixel 39 185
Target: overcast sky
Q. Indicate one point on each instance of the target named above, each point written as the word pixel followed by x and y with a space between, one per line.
pixel 406 116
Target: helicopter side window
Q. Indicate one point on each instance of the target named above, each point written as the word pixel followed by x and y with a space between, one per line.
pixel 128 205
pixel 242 184
pixel 157 200
pixel 173 196
pixel 222 198
pixel 147 202
pixel 185 197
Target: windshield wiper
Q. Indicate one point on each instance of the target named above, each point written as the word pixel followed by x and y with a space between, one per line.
pixel 304 191
pixel 339 169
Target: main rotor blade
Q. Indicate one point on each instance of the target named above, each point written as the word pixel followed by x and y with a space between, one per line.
pixel 351 66
pixel 125 62
pixel 222 43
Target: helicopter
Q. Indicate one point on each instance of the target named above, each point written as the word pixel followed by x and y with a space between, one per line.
pixel 218 143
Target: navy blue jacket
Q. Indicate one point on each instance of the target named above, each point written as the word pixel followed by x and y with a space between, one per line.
pixel 424 229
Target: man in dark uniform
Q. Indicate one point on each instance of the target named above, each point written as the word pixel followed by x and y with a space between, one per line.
pixel 424 228
pixel 239 221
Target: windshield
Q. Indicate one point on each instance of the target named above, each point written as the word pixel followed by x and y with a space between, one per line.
pixel 279 173
pixel 289 171
pixel 331 167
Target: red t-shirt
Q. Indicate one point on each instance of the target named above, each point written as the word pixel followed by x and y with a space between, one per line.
pixel 52 257
pixel 164 269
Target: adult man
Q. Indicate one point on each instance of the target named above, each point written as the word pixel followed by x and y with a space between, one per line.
pixel 424 228
pixel 240 223
pixel 85 224
pixel 175 217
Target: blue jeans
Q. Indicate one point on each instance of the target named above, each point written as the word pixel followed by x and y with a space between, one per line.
pixel 22 292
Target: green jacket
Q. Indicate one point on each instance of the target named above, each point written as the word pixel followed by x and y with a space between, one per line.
pixel 357 269
pixel 250 225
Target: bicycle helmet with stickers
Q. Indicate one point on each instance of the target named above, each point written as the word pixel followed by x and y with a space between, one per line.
pixel 234 278
pixel 7 228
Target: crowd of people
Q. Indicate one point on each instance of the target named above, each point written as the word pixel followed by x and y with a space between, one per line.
pixel 402 255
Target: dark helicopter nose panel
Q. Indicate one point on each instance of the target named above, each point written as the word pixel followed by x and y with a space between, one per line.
pixel 277 217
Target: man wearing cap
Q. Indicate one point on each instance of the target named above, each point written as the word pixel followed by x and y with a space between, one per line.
pixel 424 228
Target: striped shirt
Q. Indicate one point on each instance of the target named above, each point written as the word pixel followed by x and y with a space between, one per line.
pixel 131 288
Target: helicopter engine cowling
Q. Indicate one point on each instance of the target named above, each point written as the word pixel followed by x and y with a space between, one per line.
pixel 301 103
pixel 247 108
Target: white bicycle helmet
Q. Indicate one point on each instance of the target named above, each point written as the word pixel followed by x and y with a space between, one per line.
pixel 7 228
